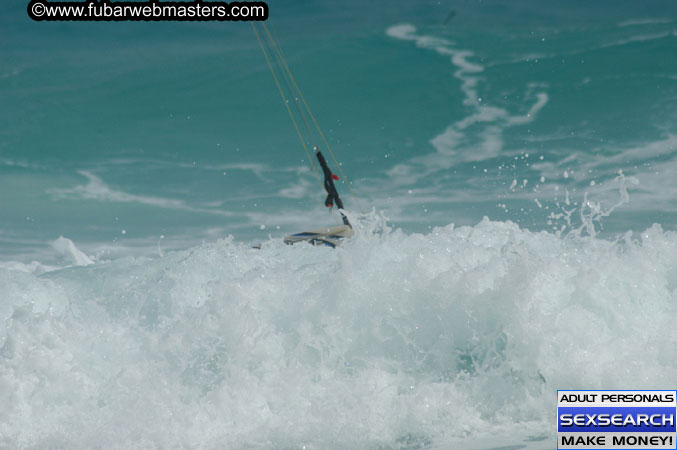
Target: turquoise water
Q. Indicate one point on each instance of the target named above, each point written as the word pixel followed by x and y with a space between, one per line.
pixel 513 166
pixel 177 130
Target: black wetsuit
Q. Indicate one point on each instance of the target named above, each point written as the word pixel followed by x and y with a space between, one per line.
pixel 332 195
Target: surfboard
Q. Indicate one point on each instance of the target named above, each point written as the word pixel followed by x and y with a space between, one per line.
pixel 330 236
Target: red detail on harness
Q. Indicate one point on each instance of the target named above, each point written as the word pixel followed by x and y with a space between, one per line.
pixel 334 177
pixel 329 205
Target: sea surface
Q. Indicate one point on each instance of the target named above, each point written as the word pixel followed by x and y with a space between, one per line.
pixel 511 176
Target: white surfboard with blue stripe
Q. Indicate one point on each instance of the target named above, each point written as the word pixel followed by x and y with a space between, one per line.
pixel 330 236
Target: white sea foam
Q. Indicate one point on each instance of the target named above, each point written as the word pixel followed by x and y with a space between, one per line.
pixel 645 21
pixel 19 163
pixel 33 267
pixel 302 188
pixel 653 164
pixel 586 178
pixel 475 137
pixel 391 341
pixel 638 38
pixel 97 189
pixel 69 250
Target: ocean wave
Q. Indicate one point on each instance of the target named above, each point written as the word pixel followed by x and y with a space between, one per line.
pixel 391 341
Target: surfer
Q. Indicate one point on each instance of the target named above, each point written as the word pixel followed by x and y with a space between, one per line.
pixel 332 195
pixel 307 130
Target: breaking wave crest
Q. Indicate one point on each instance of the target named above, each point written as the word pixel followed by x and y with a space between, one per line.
pixel 394 340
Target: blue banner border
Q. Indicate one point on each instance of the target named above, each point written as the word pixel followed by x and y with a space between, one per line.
pixel 602 390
